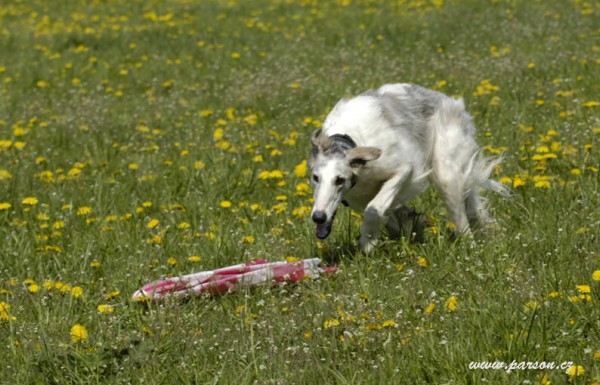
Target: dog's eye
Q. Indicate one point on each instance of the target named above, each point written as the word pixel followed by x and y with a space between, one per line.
pixel 340 181
pixel 316 178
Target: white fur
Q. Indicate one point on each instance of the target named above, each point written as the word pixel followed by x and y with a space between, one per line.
pixel 419 133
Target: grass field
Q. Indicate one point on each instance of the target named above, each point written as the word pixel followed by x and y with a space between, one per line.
pixel 142 139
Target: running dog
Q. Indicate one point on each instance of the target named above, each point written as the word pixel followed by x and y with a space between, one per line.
pixel 377 150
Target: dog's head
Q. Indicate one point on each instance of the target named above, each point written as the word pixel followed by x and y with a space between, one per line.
pixel 334 164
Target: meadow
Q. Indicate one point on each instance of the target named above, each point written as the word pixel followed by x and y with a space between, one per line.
pixel 141 139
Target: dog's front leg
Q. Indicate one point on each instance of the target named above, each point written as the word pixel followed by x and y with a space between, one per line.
pixel 377 210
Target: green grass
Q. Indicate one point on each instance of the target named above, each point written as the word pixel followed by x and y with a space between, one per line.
pixel 113 114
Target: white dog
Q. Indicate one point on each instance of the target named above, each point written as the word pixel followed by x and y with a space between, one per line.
pixel 376 150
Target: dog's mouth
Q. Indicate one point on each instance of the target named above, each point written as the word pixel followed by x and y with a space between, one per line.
pixel 323 230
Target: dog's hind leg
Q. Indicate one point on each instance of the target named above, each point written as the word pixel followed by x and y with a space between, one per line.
pixel 406 221
pixel 451 186
pixel 453 158
pixel 476 211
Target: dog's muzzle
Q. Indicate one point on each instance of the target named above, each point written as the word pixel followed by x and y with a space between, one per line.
pixel 323 226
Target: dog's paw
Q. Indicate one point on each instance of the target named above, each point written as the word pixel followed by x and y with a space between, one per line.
pixel 368 244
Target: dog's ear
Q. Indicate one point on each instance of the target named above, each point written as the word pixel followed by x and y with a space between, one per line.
pixel 314 138
pixel 359 156
pixel 320 142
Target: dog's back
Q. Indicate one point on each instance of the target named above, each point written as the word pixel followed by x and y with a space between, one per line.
pixel 394 118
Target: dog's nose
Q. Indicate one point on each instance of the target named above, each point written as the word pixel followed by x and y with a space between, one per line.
pixel 319 217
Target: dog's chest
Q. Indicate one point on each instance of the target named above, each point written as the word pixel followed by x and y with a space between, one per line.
pixel 362 193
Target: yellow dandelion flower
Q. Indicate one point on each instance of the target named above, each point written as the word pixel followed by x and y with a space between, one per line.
pixel 240 309
pixel 452 303
pixel 422 262
pixel 280 207
pixel 225 204
pixel 441 84
pixel 30 201
pixel 389 324
pixel 531 305
pixel 77 291
pixel 302 189
pixel 331 323
pixel 576 371
pixel 106 309
pixel 300 169
pixel 155 240
pixel 518 181
pixel 62 287
pixel 4 174
pixel 430 308
pixel 79 333
pixel 199 165
pixel 112 294
pixel 183 226
pixel 194 258
pixel 249 239
pixel 543 183
pixel 33 288
pixel 171 261
pixel 5 312
pixel 301 212
pixel 84 210
pixel 277 174
pixel 110 218
pixel 153 223
pixel 374 326
pixel 596 275
pixel 5 206
pixel 218 134
pixel 584 289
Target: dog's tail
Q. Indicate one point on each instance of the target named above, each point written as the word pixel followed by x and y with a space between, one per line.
pixel 479 170
pixel 454 140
